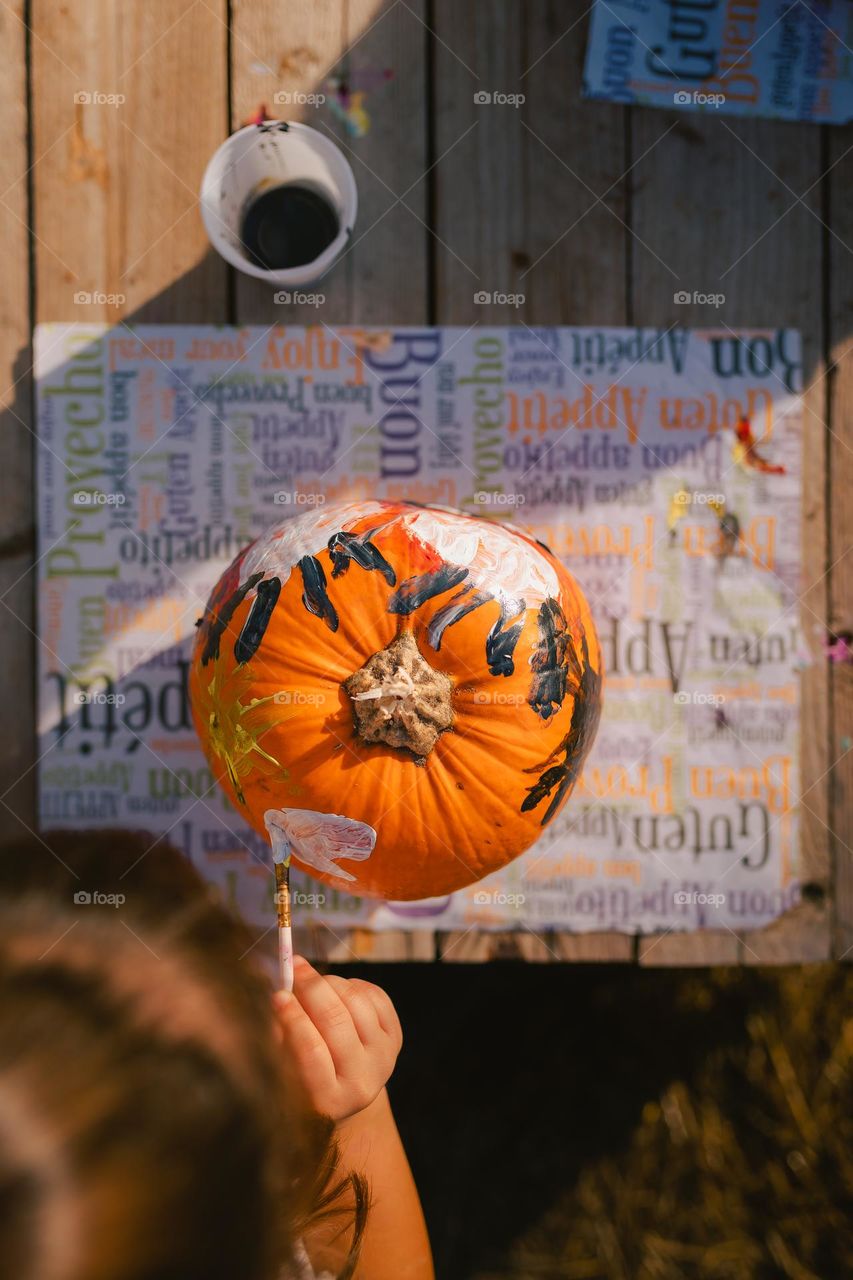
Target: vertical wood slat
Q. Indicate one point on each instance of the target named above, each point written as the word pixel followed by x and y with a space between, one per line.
pixel 516 198
pixel 800 936
pixel 707 194
pixel 388 264
pixel 840 464
pixel 517 210
pixel 273 52
pixel 474 946
pixel 17 749
pixel 691 950
pixel 115 185
pixel 116 196
pixel 382 277
pixel 478 202
pixel 544 946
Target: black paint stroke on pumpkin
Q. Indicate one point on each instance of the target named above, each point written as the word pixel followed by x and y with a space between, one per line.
pixel 548 688
pixel 254 628
pixel 344 547
pixel 414 592
pixel 314 595
pixel 500 644
pixel 586 689
pixel 218 614
pixel 457 607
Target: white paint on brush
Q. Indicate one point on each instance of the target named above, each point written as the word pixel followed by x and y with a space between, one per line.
pixel 319 840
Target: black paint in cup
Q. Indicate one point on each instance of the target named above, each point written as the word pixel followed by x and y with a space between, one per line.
pixel 288 226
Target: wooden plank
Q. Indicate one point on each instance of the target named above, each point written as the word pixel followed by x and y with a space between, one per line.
pixel 707 195
pixel 842 776
pixel 115 198
pixel 382 945
pixel 711 946
pixel 269 59
pixel 476 946
pixel 16 519
pixel 529 201
pixel 17 643
pixel 801 936
pixel 840 486
pixel 388 263
pixel 478 210
pixel 574 193
pixel 586 948
pixel 382 278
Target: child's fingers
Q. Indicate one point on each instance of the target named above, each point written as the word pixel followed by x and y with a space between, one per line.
pixel 327 1011
pixel 361 1008
pixel 386 1019
pixel 385 1012
pixel 310 1051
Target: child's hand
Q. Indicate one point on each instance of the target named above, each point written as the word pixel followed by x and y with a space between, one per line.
pixel 344 1035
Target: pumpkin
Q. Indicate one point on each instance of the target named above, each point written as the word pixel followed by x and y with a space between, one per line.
pixel 404 695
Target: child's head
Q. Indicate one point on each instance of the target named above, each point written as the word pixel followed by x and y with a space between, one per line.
pixel 149 1127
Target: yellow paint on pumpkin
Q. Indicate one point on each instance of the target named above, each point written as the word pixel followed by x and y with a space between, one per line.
pixel 235 742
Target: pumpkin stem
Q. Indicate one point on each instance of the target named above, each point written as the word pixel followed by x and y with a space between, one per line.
pixel 399 699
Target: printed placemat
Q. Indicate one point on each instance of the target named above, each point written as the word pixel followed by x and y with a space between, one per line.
pixel 663 467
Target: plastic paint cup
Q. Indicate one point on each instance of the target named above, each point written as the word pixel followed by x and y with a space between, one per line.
pixel 285 165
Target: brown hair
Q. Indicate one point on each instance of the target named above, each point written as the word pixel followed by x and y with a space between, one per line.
pixel 149 1126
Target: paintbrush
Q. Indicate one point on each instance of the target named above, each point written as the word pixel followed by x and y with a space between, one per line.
pixel 281 862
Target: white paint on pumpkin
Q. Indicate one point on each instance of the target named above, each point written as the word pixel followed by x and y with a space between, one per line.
pixel 318 840
pixel 282 547
pixel 497 559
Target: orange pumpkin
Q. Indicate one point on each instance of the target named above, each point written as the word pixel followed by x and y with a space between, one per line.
pixel 405 695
